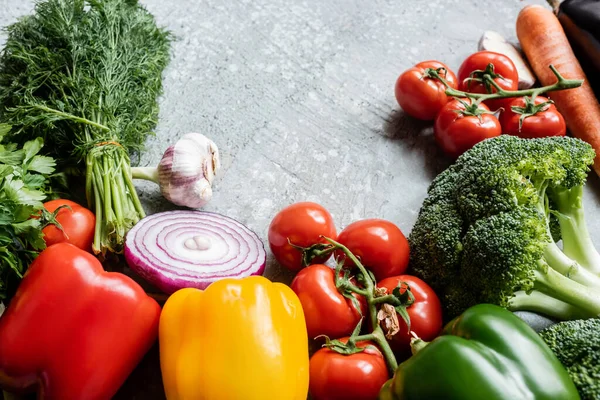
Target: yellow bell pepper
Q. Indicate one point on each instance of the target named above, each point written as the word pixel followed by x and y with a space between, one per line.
pixel 240 339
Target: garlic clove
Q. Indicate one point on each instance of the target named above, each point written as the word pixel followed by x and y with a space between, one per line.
pixel 188 169
pixel 493 41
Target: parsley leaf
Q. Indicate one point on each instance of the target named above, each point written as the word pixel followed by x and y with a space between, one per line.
pixel 25 182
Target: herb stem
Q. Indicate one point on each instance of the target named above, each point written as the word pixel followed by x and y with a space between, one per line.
pixel 107 194
pixel 136 200
pixel 98 227
pixel 71 117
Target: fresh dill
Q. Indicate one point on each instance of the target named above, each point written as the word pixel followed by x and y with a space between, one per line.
pixel 85 76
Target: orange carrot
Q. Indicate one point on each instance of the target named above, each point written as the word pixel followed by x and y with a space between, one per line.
pixel 544 42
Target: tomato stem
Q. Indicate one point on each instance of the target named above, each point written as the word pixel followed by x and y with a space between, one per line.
pixel 377 336
pixel 530 109
pixel 357 290
pixel 561 84
pixel 389 299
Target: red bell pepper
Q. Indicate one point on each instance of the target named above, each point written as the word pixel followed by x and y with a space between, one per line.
pixel 74 331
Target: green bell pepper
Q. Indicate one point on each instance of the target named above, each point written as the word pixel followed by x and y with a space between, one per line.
pixel 487 353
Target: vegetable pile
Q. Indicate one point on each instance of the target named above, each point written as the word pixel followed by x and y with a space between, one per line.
pixel 85 76
pixel 544 42
pixel 487 231
pixel 488 83
pixel 364 311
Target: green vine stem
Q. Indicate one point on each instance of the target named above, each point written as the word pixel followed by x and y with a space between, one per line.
pixel 561 84
pixel 377 336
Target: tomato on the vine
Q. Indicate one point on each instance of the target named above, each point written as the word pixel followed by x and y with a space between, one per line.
pixel 302 224
pixel 532 119
pixel 379 244
pixel 503 71
pixel 425 313
pixel 461 124
pixel 420 94
pixel 77 222
pixel 326 310
pixel 358 376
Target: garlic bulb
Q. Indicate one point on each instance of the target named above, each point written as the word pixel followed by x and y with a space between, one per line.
pixel 186 171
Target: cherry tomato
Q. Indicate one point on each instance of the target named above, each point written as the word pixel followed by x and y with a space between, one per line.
pixel 456 132
pixel 380 245
pixel 504 73
pixel 425 313
pixel 77 223
pixel 542 119
pixel 359 376
pixel 302 223
pixel 421 96
pixel 326 310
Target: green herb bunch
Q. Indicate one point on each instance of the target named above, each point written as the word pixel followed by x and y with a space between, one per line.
pixel 26 180
pixel 85 76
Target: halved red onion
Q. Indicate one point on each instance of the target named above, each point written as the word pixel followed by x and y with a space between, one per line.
pixel 188 248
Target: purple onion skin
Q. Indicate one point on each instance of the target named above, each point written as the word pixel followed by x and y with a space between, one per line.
pixel 170 285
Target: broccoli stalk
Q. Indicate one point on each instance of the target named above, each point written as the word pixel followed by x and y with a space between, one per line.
pixel 541 303
pixel 484 232
pixel 577 243
pixel 574 261
pixel 552 283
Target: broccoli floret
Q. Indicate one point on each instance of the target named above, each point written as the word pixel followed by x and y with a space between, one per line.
pixel 488 228
pixel 577 346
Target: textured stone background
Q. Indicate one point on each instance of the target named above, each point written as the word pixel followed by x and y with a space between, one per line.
pixel 298 95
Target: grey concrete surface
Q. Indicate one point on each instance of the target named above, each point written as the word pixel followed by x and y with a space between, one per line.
pixel 298 95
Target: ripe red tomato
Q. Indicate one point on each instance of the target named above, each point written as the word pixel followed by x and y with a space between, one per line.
pixel 456 132
pixel 421 96
pixel 326 310
pixel 547 121
pixel 77 223
pixel 380 245
pixel 302 223
pixel 504 73
pixel 425 313
pixel 358 376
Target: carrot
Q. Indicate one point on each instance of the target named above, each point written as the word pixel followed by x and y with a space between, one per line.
pixel 544 42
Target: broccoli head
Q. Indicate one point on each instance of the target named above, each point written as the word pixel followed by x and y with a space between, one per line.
pixel 577 346
pixel 487 231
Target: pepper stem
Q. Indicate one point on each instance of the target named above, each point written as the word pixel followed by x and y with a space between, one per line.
pixel 416 343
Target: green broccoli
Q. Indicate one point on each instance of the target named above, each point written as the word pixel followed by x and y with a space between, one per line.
pixel 577 346
pixel 486 231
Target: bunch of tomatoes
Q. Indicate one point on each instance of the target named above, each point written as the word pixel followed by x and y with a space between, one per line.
pixel 460 123
pixel 383 249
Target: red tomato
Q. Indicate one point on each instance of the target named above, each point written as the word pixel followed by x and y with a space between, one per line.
pixel 547 121
pixel 326 310
pixel 421 96
pixel 380 245
pixel 77 223
pixel 358 376
pixel 425 313
pixel 456 132
pixel 504 73
pixel 302 223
